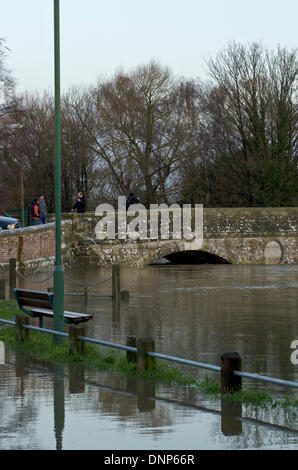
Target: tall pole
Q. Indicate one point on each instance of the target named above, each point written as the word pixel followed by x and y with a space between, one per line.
pixel 58 270
pixel 22 196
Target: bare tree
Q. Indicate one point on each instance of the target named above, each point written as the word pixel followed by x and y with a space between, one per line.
pixel 255 114
pixel 137 130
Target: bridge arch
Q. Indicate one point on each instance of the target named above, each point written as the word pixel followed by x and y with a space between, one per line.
pixel 194 257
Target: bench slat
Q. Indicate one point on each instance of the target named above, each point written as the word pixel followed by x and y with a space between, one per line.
pixel 34 302
pixel 66 313
pixel 32 293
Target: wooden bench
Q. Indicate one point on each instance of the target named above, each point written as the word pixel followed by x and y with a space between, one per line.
pixel 40 304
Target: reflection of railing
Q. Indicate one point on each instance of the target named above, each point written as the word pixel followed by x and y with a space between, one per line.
pixel 230 412
pixel 143 352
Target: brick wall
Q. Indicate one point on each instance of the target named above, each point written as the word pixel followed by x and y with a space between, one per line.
pixel 30 243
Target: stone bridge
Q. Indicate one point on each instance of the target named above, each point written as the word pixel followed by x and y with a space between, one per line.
pixel 231 235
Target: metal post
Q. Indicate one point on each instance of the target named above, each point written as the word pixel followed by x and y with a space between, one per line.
pixel 22 196
pixel 58 270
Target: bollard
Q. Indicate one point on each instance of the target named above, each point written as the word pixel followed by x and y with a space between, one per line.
pixel 2 289
pixel 130 355
pixel 22 334
pixel 116 282
pixel 12 277
pixel 230 383
pixel 76 345
pixel 124 295
pixel 145 362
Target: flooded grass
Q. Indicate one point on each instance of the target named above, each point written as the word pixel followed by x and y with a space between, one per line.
pixel 8 309
pixel 41 346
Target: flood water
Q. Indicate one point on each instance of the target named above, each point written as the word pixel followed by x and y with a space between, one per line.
pixel 195 312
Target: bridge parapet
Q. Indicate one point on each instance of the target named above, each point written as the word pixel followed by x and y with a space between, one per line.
pixel 238 235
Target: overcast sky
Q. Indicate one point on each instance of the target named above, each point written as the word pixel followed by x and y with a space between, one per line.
pixel 98 37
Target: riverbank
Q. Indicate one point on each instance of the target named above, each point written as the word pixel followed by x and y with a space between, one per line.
pixel 41 346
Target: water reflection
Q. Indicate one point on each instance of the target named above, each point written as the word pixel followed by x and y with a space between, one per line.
pixel 59 404
pixel 231 425
pixel 75 408
pixel 196 312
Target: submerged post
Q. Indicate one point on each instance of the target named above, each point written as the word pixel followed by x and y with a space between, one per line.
pixel 12 276
pixel 87 293
pixel 230 382
pixel 58 270
pixel 124 295
pixel 116 282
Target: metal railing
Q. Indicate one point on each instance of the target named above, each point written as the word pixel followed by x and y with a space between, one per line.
pixel 166 357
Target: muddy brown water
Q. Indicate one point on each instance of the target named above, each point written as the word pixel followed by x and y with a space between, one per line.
pixel 191 311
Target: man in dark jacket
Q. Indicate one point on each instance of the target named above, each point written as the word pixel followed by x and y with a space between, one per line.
pixel 80 205
pixel 131 199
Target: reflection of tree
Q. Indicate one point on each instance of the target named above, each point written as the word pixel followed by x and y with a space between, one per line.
pixel 19 409
pixel 261 435
pixel 122 399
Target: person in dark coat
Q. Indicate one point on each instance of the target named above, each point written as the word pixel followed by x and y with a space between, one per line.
pixel 42 208
pixel 131 199
pixel 80 204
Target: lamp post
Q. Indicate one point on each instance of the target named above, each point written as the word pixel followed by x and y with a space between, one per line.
pixel 20 126
pixel 22 196
pixel 58 270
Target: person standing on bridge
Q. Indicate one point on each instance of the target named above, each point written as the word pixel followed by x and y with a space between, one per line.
pixel 35 212
pixel 80 204
pixel 131 199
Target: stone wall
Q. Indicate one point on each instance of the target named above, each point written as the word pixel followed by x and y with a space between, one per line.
pixel 238 235
pixel 251 222
pixel 219 222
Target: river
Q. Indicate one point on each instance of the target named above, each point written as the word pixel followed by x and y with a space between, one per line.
pixel 195 312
